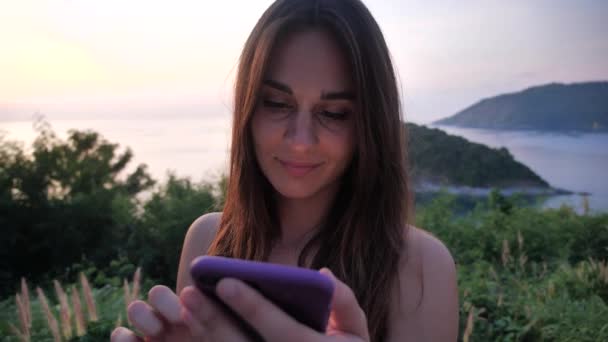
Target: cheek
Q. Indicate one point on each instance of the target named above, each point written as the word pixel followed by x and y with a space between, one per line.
pixel 266 135
pixel 340 146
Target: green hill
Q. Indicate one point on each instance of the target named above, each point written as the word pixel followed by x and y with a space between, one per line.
pixel 440 158
pixel 551 107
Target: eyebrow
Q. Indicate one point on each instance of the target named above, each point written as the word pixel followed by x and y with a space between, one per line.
pixel 334 95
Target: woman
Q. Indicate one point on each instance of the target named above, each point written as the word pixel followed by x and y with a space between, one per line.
pixel 317 179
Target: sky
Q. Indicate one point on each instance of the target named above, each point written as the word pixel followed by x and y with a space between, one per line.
pixel 72 59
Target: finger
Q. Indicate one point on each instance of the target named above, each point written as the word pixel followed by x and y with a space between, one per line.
pixel 206 318
pixel 144 318
pixel 200 313
pixel 122 334
pixel 265 317
pixel 346 314
pixel 166 303
pixel 194 325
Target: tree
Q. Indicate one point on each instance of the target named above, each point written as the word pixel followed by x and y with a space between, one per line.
pixel 64 201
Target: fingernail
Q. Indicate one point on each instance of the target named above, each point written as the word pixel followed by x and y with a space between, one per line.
pixel 147 322
pixel 326 271
pixel 121 334
pixel 168 306
pixel 192 298
pixel 227 288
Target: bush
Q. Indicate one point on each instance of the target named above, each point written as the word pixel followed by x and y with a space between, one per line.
pixel 63 201
pixel 157 239
pixel 526 274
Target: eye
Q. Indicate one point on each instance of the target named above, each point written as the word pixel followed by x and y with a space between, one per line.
pixel 335 115
pixel 275 104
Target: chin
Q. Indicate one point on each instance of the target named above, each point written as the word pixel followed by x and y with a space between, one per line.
pixel 295 191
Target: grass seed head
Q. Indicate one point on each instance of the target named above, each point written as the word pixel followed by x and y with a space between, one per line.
pixel 22 315
pixel 88 295
pixel 66 314
pixel 468 331
pixel 136 284
pixel 50 318
pixel 78 314
pixel 25 296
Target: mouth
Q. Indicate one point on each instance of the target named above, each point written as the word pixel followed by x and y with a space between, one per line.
pixel 298 169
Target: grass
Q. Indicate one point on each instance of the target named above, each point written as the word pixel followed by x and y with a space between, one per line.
pixel 36 319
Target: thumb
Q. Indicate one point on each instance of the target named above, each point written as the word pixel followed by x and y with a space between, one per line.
pixel 346 314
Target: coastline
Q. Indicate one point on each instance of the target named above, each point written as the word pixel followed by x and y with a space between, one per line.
pixel 431 187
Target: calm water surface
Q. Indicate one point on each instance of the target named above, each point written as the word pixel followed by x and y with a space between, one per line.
pixel 197 148
pixel 575 162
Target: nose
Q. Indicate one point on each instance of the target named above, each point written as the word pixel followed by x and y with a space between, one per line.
pixel 300 133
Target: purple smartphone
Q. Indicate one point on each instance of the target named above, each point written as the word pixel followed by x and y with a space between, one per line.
pixel 302 293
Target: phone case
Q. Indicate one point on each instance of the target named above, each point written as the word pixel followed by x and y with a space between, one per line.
pixel 302 293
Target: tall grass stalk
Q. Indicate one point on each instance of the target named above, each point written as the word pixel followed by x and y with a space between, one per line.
pixel 18 333
pixel 50 318
pixel 22 314
pixel 88 295
pixel 468 330
pixel 118 321
pixel 66 314
pixel 127 295
pixel 136 284
pixel 79 316
pixel 520 240
pixel 25 296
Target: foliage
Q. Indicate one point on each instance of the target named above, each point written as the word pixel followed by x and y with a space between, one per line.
pixel 111 304
pixel 63 201
pixel 526 274
pixel 157 239
pixel 446 159
pixel 70 202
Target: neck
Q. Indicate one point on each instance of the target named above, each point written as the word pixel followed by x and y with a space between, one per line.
pixel 300 218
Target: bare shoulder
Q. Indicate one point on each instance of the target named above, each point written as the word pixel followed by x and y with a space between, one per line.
pixel 426 305
pixel 203 229
pixel 198 238
pixel 433 252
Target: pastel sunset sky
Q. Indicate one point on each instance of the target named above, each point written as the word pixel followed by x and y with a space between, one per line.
pixel 149 59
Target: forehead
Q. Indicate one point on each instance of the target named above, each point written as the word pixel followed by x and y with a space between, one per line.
pixel 310 58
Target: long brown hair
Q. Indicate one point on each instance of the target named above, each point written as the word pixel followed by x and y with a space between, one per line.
pixel 361 239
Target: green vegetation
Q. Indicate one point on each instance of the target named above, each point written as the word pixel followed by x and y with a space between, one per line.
pixel 551 107
pixel 80 314
pixel 524 274
pixel 62 202
pixel 73 201
pixel 438 157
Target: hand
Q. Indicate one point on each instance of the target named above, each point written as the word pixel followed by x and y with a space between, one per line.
pixel 159 320
pixel 347 320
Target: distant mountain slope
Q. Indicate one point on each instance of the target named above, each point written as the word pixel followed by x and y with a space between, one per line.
pixel 552 107
pixel 446 159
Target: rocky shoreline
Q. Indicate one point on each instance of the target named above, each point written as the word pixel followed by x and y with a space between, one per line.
pixel 430 187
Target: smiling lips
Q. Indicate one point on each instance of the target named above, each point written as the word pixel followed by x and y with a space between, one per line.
pixel 298 169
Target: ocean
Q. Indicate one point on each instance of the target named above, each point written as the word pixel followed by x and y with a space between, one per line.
pixel 577 162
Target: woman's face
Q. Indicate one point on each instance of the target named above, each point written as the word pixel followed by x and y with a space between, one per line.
pixel 303 125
